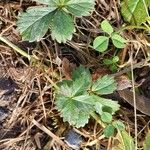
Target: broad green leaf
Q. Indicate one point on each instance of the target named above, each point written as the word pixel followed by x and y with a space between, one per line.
pixel 125 141
pixel 34 24
pixel 134 11
pixel 80 7
pixel 106 117
pixel 118 41
pixel 118 125
pixel 109 131
pixel 106 26
pixel 104 85
pixel 101 43
pixel 62 26
pixel 147 142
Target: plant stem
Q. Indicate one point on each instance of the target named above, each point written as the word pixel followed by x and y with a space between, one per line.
pixel 96 117
pixel 14 47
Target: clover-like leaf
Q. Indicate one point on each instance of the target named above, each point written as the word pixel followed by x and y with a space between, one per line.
pixel 101 43
pixel 35 22
pixel 106 26
pixel 62 26
pixel 104 85
pixel 118 41
pixel 80 7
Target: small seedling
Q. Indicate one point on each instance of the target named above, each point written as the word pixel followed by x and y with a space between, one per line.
pixel 101 42
pixel 57 15
pixel 78 98
pixel 112 63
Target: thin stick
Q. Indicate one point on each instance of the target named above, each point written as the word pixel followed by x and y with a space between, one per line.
pixel 134 101
pixel 14 47
pixel 47 131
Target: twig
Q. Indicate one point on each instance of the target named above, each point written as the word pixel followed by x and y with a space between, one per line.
pixel 14 47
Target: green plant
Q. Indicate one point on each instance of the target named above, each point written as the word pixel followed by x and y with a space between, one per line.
pixel 101 43
pixel 135 11
pixel 112 63
pixel 57 15
pixel 79 98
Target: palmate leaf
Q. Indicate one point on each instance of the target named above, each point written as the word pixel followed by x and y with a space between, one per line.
pixel 35 22
pixel 80 7
pixel 76 103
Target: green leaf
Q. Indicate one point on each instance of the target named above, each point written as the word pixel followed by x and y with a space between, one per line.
pixel 125 141
pixel 82 72
pixel 115 59
pixel 106 117
pixel 134 11
pixel 76 102
pixel 118 41
pixel 147 142
pixel 80 7
pixel 113 68
pixel 106 26
pixel 101 43
pixel 104 85
pixel 75 112
pixel 107 104
pixel 34 24
pixel 107 61
pixel 119 125
pixel 109 131
pixel 62 26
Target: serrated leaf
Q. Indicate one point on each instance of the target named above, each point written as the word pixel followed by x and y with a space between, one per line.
pixel 107 104
pixel 104 85
pixel 106 117
pixel 118 125
pixel 147 142
pixel 106 26
pixel 134 11
pixel 76 113
pixel 80 7
pixel 125 141
pixel 62 26
pixel 109 131
pixel 34 24
pixel 100 43
pixel 82 72
pixel 118 41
